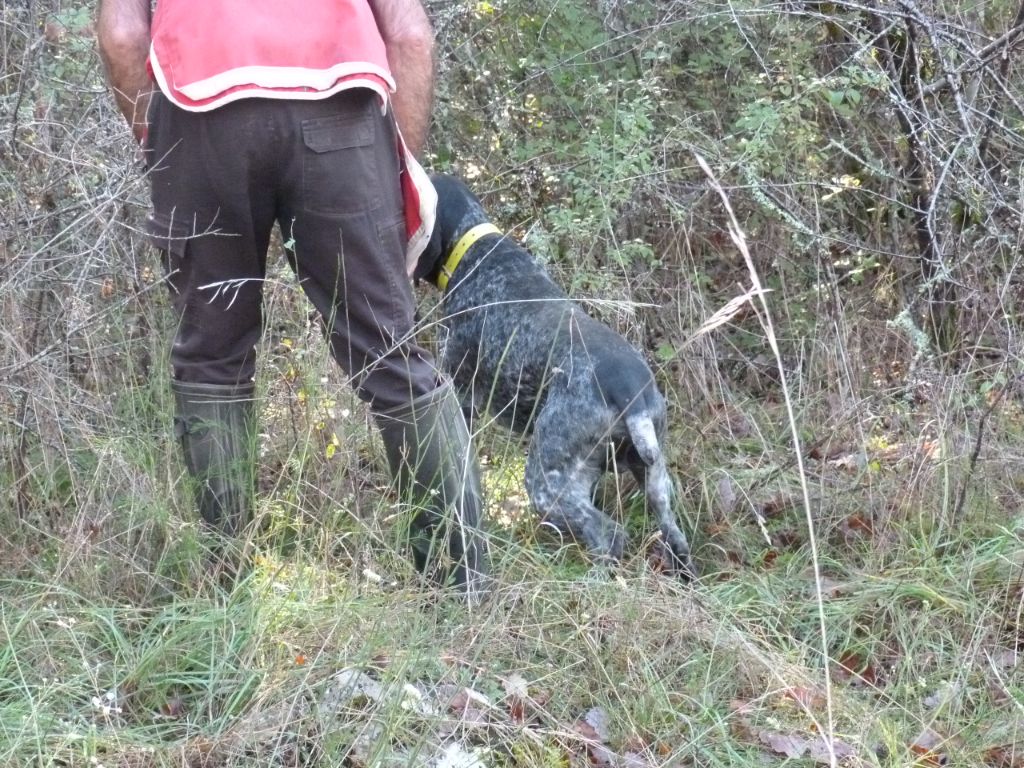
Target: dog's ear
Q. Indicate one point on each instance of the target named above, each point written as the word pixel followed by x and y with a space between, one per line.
pixel 428 266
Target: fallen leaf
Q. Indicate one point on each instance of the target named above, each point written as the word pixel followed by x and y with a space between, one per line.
pixel 795 746
pixel 854 668
pixel 1005 756
pixel 808 698
pixel 726 495
pixel 928 749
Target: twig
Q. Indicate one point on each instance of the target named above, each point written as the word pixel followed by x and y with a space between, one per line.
pixel 1000 45
pixel 993 109
pixel 972 462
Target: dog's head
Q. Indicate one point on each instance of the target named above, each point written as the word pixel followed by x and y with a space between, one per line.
pixel 458 211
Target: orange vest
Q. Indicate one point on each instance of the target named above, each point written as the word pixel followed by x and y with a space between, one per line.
pixel 206 53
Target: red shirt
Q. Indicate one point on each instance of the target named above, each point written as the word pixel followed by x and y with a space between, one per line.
pixel 207 53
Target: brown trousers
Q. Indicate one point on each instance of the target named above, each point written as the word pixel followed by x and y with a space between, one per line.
pixel 327 171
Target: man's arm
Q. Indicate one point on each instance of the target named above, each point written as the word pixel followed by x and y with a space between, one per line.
pixel 122 31
pixel 409 40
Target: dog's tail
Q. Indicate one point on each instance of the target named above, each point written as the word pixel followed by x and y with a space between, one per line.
pixel 644 436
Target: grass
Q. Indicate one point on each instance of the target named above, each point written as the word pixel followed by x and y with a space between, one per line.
pixel 118 649
pixel 160 667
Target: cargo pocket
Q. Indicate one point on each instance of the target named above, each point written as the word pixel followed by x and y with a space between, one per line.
pixel 339 169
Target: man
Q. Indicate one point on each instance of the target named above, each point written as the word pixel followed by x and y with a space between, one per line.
pixel 269 112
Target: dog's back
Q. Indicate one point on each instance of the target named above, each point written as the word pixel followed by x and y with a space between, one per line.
pixel 535 335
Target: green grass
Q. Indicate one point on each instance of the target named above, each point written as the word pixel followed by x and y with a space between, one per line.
pixel 191 674
pixel 118 649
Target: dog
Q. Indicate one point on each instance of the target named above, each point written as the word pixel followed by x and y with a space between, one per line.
pixel 516 346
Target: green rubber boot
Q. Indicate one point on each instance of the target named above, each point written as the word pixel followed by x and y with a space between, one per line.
pixel 431 457
pixel 215 426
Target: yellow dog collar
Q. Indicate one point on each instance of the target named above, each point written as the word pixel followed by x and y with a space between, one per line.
pixel 465 243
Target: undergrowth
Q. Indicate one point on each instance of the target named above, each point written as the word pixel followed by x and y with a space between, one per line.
pixel 577 123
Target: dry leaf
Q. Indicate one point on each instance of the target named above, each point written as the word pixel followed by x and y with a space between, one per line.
pixel 808 698
pixel 928 748
pixel 726 495
pixel 854 668
pixel 795 746
pixel 515 686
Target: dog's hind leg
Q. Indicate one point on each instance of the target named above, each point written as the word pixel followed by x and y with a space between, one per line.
pixel 651 472
pixel 561 474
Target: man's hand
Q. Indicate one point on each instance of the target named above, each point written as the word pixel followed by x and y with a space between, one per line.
pixel 122 30
pixel 409 40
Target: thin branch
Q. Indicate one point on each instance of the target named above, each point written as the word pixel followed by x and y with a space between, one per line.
pixel 993 109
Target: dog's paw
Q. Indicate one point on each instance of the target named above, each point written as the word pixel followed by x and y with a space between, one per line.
pixel 675 555
pixel 605 539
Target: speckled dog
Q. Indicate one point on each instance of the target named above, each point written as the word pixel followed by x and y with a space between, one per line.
pixel 518 347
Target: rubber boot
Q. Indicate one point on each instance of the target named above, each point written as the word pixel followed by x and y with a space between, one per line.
pixel 214 425
pixel 431 457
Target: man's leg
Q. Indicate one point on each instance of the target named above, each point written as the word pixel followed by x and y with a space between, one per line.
pixel 346 222
pixel 213 235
